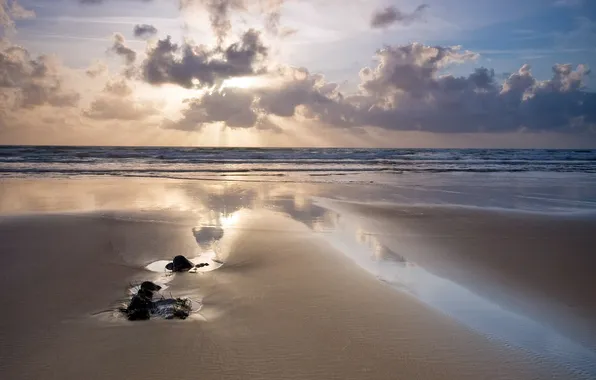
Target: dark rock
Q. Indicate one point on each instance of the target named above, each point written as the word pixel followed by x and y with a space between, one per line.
pixel 180 264
pixel 138 314
pixel 141 303
pixel 142 306
pixel 139 307
pixel 148 285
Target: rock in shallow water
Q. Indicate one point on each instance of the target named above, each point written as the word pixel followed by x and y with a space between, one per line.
pixel 142 306
pixel 180 264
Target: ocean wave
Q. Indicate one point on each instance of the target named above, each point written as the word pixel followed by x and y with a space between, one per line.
pixel 261 172
pixel 139 161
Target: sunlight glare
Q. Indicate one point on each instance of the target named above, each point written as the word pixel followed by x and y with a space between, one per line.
pixel 229 220
pixel 243 82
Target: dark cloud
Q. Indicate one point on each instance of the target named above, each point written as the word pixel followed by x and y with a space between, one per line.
pixel 27 82
pixel 119 47
pixel 298 87
pixel 234 107
pixel 407 91
pixel 409 68
pixel 145 31
pixel 431 102
pixel 193 66
pixel 391 15
pixel 245 108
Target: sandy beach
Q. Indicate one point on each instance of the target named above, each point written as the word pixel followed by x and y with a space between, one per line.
pixel 285 305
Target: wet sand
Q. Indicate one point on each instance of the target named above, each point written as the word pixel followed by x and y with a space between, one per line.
pixel 285 305
pixel 538 264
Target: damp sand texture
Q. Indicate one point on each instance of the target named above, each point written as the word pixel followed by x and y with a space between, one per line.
pixel 284 306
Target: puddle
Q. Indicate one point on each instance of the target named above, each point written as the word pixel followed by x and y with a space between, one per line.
pixel 209 257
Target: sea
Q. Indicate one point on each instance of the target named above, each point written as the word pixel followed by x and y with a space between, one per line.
pixel 537 180
pixel 290 164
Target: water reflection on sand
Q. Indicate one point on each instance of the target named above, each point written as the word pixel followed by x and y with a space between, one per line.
pixel 364 247
pixel 216 209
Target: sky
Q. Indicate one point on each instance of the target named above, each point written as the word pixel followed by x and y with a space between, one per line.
pixel 366 73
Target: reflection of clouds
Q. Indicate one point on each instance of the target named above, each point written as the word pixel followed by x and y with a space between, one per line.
pixel 385 254
pixel 207 235
pixel 361 236
pixel 379 251
pixel 326 223
pixel 50 195
pixel 56 195
pixel 301 209
pixel 323 220
pixel 216 207
pixel 301 202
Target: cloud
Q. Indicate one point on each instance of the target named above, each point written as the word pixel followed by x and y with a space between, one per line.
pixel 409 69
pixel 391 15
pixel 408 90
pixel 193 66
pixel 272 10
pixel 96 70
pixel 477 103
pixel 11 10
pixel 234 107
pixel 116 102
pixel 119 48
pixel 219 14
pixel 145 31
pixel 27 82
pixel 245 108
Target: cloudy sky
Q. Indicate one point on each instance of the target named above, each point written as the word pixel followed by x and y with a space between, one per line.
pixel 387 73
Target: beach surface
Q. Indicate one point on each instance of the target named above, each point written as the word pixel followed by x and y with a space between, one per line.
pixel 289 301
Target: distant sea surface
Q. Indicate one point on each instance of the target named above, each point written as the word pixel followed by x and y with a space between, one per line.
pixel 305 164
